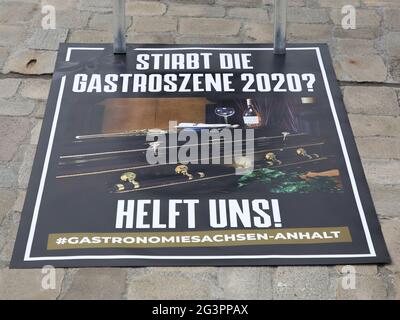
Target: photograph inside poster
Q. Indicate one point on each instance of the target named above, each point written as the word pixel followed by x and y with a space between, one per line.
pixel 291 151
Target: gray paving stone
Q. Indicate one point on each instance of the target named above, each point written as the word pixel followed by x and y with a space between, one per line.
pixel 66 17
pixel 40 109
pixel 298 32
pixel 47 39
pixel 206 26
pixel 378 147
pixel 359 33
pixel 16 108
pixel 145 8
pixel 396 285
pixel 11 35
pixel 9 227
pixel 8 233
pixel 391 231
pixel 17 12
pixel 368 126
pixel 37 89
pixel 3 56
pixel 207 39
pixel 19 201
pixel 154 24
pixel 249 13
pixel 97 284
pixel 240 3
pixel 150 38
pixel 12 131
pixel 60 5
pixel 27 284
pixel 172 285
pixel 9 218
pixel 188 270
pixel 104 22
pixel 28 61
pixel 392 44
pixel 7 199
pixel 307 15
pixel 95 5
pixel 100 21
pixel 354 47
pixel 35 132
pixel 195 10
pixel 381 3
pixel 336 3
pixel 367 287
pixel 394 70
pixel 386 200
pixel 391 19
pixel 246 282
pixel 371 100
pixel 302 283
pixel 197 1
pixel 8 87
pixel 6 254
pixel 365 18
pixel 368 68
pixel 383 172
pixel 360 269
pixel 7 177
pixel 90 36
pixel 26 166
pixel 291 3
pixel 259 32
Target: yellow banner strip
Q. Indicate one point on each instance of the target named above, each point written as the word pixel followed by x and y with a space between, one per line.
pixel 220 238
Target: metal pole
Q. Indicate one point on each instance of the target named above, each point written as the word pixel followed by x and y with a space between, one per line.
pixel 280 26
pixel 119 27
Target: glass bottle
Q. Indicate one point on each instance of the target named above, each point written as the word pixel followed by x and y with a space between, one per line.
pixel 251 118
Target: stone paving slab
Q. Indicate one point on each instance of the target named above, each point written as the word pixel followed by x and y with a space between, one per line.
pixel 367 62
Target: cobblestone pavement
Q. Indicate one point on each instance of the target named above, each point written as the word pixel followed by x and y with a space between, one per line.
pixel 367 62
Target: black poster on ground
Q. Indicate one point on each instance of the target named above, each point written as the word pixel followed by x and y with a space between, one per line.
pixel 203 155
